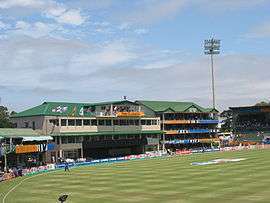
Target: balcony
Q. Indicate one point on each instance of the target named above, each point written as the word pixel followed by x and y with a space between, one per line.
pixel 190 141
pixel 190 131
pixel 191 121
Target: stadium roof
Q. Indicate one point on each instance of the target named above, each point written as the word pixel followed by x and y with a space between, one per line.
pixel 63 109
pixel 251 109
pixel 113 102
pixel 172 106
pixel 53 109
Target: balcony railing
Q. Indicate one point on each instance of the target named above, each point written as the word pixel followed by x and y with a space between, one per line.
pixel 206 140
pixel 191 121
pixel 172 132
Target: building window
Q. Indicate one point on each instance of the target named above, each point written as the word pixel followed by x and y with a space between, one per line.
pixel 26 124
pixel 94 122
pixel 78 139
pixel 54 122
pixel 101 122
pixel 63 122
pixel 115 122
pixel 123 122
pixel 143 122
pixel 131 122
pixel 78 122
pixel 15 125
pixel 95 138
pixel 86 122
pixel 108 122
pixel 71 140
pixel 71 122
pixel 154 122
pixel 136 122
pixel 64 140
pixel 148 122
pixel 116 137
pixel 108 137
pixel 33 125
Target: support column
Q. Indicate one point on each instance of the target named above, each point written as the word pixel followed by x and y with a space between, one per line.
pixel 61 153
pixel 163 135
pixel 82 148
pixel 60 150
pixel 111 109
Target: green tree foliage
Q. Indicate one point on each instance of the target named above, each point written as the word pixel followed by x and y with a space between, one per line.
pixel 4 118
pixel 263 103
pixel 227 121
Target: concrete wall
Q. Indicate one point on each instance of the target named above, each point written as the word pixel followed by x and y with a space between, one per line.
pixel 78 129
pixel 69 146
pixel 42 124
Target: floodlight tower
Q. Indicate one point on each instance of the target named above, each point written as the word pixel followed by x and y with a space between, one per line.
pixel 212 47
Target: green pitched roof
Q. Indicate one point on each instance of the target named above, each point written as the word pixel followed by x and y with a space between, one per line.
pixel 163 106
pixel 53 109
pixel 63 108
pixel 17 132
pixel 113 102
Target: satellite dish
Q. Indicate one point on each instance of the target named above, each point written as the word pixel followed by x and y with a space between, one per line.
pixel 62 198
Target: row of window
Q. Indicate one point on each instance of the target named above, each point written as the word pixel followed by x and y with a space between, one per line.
pixel 105 122
pixel 72 139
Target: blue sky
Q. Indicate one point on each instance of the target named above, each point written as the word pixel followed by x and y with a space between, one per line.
pixel 96 50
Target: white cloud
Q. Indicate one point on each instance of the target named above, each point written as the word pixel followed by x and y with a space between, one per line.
pixel 141 31
pixel 50 8
pixel 6 4
pixel 109 55
pixel 63 15
pixel 22 25
pixel 124 26
pixel 152 11
pixel 78 71
pixel 229 4
pixel 260 31
pixel 56 11
pixel 3 26
pixel 71 16
pixel 35 30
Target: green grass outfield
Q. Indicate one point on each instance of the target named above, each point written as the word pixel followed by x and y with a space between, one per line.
pixel 153 180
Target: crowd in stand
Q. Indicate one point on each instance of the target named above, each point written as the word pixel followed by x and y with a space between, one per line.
pixel 252 124
pixel 188 127
pixel 189 116
pixel 10 173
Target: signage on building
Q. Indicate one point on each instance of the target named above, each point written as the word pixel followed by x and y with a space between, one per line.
pixel 193 110
pixel 20 149
pixel 51 147
pixel 60 109
pixel 26 149
pixel 130 114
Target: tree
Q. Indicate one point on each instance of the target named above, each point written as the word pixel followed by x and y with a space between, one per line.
pixel 4 118
pixel 263 103
pixel 227 121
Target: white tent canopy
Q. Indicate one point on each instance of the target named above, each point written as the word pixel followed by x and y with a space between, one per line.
pixel 37 138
